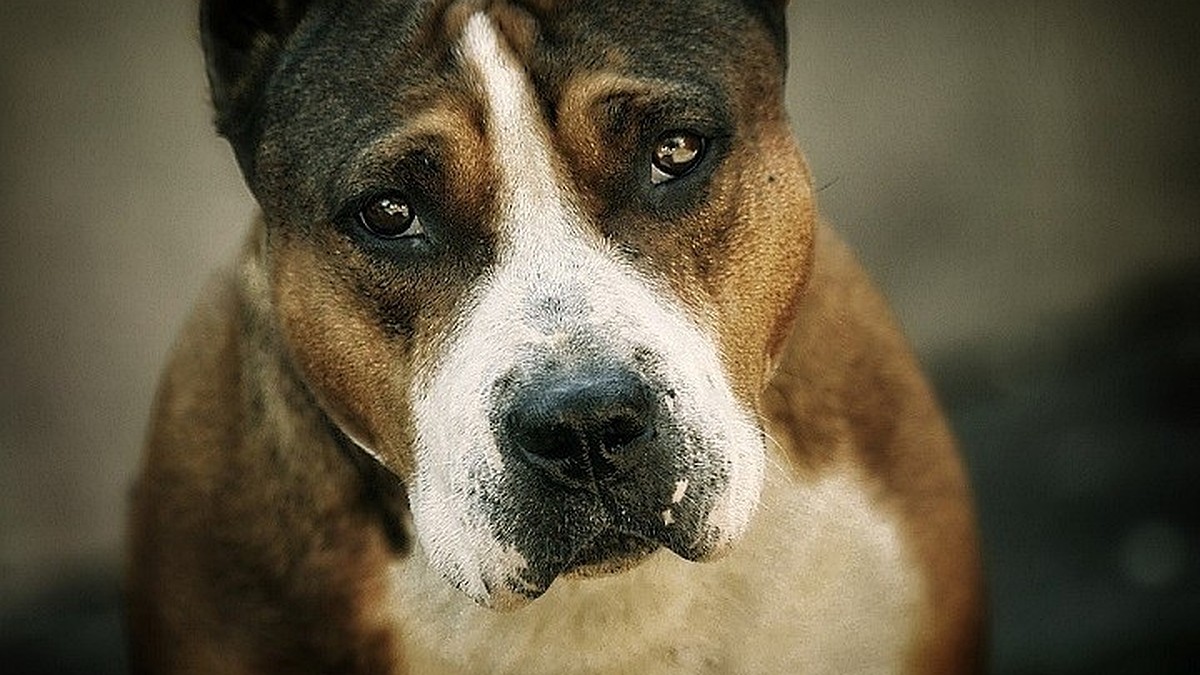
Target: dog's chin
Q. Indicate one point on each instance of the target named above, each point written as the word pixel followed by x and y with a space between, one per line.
pixel 609 553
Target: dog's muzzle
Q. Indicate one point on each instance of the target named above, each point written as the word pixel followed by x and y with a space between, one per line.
pixel 565 432
pixel 598 442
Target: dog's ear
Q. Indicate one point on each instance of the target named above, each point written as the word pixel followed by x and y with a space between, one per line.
pixel 774 14
pixel 241 41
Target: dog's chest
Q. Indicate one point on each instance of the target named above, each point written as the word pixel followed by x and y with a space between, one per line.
pixel 821 584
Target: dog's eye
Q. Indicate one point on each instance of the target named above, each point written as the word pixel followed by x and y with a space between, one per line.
pixel 676 154
pixel 390 216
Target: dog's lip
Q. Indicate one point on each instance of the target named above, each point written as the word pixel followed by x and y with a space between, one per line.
pixel 620 543
pixel 613 550
pixel 609 551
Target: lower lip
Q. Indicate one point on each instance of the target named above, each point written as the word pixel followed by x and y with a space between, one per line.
pixel 610 553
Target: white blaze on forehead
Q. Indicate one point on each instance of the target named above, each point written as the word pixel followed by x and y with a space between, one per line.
pixel 518 133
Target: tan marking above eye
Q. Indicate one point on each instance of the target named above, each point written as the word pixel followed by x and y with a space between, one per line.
pixel 676 154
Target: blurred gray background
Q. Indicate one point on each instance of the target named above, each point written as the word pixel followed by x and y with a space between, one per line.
pixel 1023 178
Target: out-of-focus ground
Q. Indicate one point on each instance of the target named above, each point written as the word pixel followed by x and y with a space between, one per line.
pixel 1023 179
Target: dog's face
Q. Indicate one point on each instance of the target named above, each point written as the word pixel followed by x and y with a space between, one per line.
pixel 536 258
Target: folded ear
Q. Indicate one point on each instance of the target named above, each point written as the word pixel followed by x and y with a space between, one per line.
pixel 774 14
pixel 241 41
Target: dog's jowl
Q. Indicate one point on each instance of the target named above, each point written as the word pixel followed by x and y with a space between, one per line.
pixel 538 360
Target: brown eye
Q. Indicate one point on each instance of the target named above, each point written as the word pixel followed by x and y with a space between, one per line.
pixel 677 153
pixel 389 216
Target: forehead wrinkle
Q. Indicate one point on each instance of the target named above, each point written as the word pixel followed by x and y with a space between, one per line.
pixel 444 123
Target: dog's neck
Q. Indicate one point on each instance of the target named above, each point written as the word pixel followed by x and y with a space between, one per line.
pixel 294 425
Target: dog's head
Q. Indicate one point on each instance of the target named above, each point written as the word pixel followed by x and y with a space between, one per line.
pixel 537 258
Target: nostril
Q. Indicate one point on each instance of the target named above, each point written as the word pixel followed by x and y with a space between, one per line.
pixel 571 423
pixel 547 441
pixel 623 430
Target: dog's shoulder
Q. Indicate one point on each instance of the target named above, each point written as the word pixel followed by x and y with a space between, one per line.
pixel 850 392
pixel 247 526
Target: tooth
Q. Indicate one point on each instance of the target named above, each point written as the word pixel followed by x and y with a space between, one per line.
pixel 680 489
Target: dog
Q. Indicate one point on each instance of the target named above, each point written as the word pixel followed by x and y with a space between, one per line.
pixel 538 359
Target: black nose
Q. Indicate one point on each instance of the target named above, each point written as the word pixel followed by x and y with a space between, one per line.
pixel 577 426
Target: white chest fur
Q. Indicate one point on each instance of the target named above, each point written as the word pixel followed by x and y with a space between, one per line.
pixel 820 584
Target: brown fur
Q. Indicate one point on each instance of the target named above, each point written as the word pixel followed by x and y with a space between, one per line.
pixel 849 381
pixel 299 555
pixel 742 257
